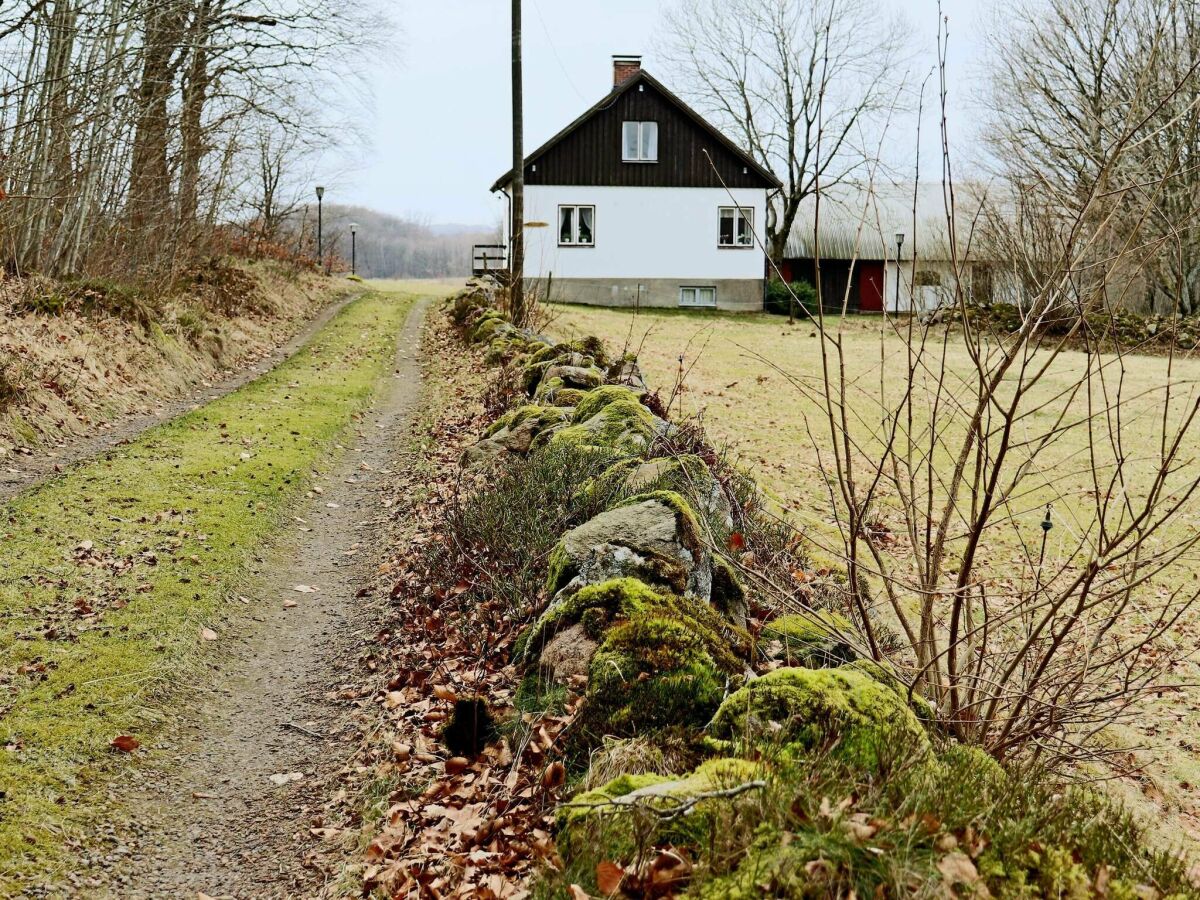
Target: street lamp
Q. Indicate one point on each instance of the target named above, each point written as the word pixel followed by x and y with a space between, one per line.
pixel 320 247
pixel 353 248
pixel 899 244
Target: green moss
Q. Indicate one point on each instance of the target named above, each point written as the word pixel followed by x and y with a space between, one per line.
pixel 600 606
pixel 590 348
pixel 568 396
pixel 651 673
pixel 544 417
pixel 814 639
pixel 598 398
pixel 728 595
pixel 623 426
pixel 204 494
pixel 711 775
pixel 771 868
pixel 506 346
pixel 599 802
pixel 489 323
pixel 809 709
pixel 548 388
pixel 559 569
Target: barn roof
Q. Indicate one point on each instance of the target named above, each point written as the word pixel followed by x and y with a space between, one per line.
pixel 644 77
pixel 860 221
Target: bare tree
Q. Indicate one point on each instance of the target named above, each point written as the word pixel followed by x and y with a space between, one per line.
pixel 794 80
pixel 1067 77
pixel 1012 509
pixel 128 127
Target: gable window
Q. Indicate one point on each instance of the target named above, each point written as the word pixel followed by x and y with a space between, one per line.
pixel 639 142
pixel 698 297
pixel 736 227
pixel 576 226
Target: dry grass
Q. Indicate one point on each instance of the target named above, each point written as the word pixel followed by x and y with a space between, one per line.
pixel 82 371
pixel 741 373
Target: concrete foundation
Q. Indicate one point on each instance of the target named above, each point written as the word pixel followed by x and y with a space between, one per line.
pixel 733 295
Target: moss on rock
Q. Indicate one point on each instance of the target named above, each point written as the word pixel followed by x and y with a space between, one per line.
pixel 815 639
pixel 624 426
pixel 568 396
pixel 540 417
pixel 598 398
pixel 685 517
pixel 728 595
pixel 651 673
pixel 599 607
pixel 810 709
pixel 486 326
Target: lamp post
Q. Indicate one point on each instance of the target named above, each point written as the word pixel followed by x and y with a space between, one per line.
pixel 353 248
pixel 899 244
pixel 320 223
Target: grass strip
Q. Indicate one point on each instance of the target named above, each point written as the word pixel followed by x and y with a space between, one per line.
pixel 110 574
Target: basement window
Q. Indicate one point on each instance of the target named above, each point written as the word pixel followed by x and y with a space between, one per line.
pixel 698 297
pixel 736 227
pixel 639 142
pixel 576 226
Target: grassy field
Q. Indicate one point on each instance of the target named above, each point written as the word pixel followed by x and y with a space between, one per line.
pixel 117 578
pixel 749 376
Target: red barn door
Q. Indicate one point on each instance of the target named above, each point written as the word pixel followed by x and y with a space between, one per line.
pixel 870 287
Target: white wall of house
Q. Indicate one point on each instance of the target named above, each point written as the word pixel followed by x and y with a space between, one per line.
pixel 647 233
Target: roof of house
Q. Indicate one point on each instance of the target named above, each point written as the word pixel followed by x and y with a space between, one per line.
pixel 644 77
pixel 860 221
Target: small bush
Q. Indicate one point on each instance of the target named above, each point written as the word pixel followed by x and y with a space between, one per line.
pixel 502 535
pixel 779 301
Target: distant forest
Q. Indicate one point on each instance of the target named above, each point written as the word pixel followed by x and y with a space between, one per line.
pixel 395 247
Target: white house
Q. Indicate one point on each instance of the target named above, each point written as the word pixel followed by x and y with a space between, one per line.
pixel 640 201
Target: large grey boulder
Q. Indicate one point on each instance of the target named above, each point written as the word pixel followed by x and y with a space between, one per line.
pixel 653 538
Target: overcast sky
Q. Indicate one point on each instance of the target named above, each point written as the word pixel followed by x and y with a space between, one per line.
pixel 439 134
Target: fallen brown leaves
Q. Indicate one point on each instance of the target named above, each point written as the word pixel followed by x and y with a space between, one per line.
pixel 452 826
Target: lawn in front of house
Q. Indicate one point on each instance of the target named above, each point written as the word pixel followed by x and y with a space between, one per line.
pixel 753 379
pixel 119 578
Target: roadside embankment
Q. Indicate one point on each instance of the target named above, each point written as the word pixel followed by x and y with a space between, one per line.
pixel 80 360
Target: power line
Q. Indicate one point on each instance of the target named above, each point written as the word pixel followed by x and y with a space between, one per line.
pixel 554 50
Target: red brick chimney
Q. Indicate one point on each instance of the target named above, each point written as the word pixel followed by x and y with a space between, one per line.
pixel 624 68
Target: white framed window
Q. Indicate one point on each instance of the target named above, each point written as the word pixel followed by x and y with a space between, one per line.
pixel 577 226
pixel 736 227
pixel 698 297
pixel 639 142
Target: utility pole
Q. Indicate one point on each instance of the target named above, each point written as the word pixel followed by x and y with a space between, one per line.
pixel 353 248
pixel 516 261
pixel 320 223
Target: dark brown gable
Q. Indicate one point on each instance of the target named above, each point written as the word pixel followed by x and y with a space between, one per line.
pixel 588 152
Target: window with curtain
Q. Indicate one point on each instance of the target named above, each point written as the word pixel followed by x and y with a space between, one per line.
pixel 576 226
pixel 736 227
pixel 639 142
pixel 698 296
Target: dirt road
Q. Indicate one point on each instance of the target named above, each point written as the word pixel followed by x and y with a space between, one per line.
pixel 231 815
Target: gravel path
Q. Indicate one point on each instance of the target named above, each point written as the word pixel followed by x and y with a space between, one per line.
pixel 230 809
pixel 19 471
